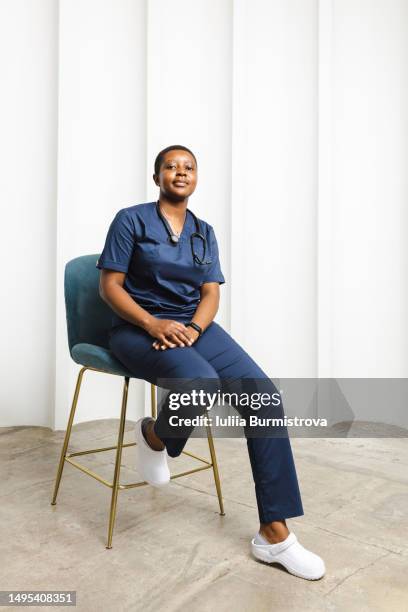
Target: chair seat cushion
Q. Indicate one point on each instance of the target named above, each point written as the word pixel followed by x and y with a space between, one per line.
pixel 98 357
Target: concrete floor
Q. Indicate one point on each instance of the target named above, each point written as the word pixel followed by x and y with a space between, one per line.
pixel 172 551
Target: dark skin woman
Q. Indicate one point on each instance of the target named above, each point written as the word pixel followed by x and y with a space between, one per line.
pixel 177 181
pixel 176 177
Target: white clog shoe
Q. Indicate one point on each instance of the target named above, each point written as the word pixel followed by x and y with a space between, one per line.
pixel 291 554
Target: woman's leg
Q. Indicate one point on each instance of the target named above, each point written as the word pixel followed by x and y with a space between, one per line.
pixel 215 354
pixel 276 485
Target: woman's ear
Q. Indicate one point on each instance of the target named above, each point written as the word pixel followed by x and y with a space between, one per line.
pixel 156 180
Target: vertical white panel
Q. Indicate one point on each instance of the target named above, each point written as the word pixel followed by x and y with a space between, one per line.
pixel 189 103
pixel 325 190
pixel 241 119
pixel 102 142
pixel 275 168
pixel 28 127
pixel 370 261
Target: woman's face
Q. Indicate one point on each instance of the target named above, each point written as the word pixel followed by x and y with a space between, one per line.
pixel 178 175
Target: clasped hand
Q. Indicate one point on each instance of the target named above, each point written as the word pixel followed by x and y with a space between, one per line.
pixel 169 334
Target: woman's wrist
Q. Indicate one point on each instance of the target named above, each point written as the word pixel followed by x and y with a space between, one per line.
pixel 146 322
pixel 194 325
pixel 193 333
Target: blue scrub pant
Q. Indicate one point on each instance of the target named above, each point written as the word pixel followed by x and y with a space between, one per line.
pixel 216 356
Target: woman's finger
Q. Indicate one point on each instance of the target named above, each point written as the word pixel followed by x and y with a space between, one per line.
pixel 178 339
pixel 184 338
pixel 167 343
pixel 181 332
pixel 182 329
pixel 158 345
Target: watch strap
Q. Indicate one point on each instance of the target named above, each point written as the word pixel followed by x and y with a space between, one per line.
pixel 195 326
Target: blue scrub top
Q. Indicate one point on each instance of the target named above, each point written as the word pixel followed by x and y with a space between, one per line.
pixel 161 277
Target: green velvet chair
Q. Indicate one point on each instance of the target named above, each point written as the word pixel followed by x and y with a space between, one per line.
pixel 88 323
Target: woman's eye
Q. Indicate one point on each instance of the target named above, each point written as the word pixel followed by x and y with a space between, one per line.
pixel 187 168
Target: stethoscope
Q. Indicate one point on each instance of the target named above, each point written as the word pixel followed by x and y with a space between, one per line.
pixel 174 239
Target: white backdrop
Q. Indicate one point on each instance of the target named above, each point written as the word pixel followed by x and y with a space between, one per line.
pixel 297 112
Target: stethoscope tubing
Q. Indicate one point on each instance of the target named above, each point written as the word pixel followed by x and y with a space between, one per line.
pixel 197 234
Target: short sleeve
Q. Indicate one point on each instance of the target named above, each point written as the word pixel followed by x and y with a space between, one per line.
pixel 213 273
pixel 119 244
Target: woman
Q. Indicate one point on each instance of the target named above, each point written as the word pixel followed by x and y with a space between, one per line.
pixel 163 287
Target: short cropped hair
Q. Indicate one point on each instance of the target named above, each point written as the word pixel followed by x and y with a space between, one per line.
pixel 160 156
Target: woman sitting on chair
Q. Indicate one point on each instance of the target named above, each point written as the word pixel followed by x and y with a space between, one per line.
pixel 160 274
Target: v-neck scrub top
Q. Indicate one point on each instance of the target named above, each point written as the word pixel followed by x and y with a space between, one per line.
pixel 161 277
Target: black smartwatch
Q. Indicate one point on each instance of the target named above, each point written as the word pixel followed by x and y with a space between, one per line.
pixel 195 326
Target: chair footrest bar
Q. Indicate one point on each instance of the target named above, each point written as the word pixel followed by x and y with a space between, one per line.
pixel 133 485
pixel 143 483
pixel 108 448
pixel 98 450
pixel 89 472
pixel 197 457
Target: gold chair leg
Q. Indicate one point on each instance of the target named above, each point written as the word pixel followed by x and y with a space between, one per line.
pixel 115 485
pixel 215 469
pixel 67 435
pixel 153 401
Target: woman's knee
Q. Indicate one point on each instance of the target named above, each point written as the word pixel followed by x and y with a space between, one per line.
pixel 131 348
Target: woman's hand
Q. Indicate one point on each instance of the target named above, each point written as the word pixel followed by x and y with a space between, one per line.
pixel 169 333
pixel 192 336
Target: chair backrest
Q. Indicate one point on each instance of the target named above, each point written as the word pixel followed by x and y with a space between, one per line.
pixel 89 318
